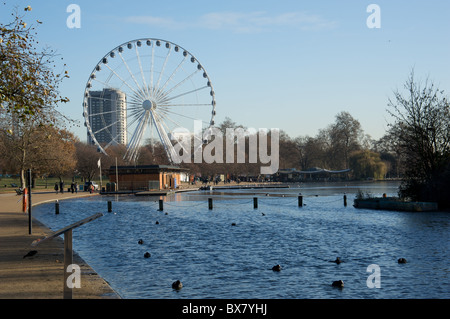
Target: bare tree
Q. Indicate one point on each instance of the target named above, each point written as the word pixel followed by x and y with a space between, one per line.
pixel 345 135
pixel 422 117
pixel 87 159
pixel 29 144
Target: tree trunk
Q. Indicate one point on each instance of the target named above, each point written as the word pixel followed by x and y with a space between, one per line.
pixel 22 178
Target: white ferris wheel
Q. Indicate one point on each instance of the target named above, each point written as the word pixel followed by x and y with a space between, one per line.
pixel 146 89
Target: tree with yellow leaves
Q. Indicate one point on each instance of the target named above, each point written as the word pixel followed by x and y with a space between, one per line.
pixel 28 83
pixel 29 96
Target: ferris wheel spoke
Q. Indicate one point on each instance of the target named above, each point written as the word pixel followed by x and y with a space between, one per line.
pixel 103 113
pixel 100 98
pixel 162 70
pixel 163 96
pixel 152 65
pixel 123 81
pixel 106 127
pixel 183 94
pixel 130 124
pixel 113 141
pixel 135 104
pixel 152 137
pixel 132 76
pixel 192 104
pixel 135 113
pixel 105 84
pixel 164 124
pixel 136 137
pixel 142 71
pixel 133 120
pixel 134 110
pixel 164 118
pixel 173 73
pixel 164 138
pixel 141 131
pixel 185 116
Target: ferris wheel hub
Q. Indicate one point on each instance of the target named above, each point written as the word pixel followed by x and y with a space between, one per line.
pixel 147 105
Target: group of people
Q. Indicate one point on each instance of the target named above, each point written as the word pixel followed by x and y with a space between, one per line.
pixel 73 187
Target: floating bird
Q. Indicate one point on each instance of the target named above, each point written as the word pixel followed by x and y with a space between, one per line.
pixel 177 285
pixel 337 261
pixel 140 241
pixel 30 253
pixel 276 268
pixel 157 222
pixel 147 255
pixel 233 224
pixel 338 283
pixel 402 261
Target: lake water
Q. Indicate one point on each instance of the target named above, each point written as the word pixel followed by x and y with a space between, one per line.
pixel 215 259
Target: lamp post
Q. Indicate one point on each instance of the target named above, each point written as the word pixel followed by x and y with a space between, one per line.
pixel 30 227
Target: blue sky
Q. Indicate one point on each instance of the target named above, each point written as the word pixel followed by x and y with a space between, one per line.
pixel 282 64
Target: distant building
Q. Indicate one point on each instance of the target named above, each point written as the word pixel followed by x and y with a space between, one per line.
pixel 314 173
pixel 107 112
pixel 145 177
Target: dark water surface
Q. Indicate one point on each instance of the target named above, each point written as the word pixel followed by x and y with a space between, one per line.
pixel 215 259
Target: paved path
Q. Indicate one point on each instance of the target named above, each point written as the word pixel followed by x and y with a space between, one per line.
pixel 42 275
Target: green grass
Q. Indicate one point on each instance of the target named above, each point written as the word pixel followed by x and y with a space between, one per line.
pixel 40 183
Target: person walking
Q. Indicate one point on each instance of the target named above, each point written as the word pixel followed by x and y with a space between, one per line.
pixel 56 187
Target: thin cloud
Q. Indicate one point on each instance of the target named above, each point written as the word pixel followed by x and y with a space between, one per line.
pixel 240 22
pixel 152 21
pixel 261 21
